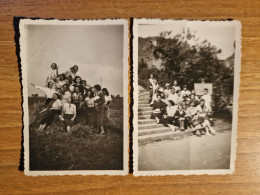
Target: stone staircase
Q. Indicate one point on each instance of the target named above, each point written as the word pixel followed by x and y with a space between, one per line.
pixel 148 129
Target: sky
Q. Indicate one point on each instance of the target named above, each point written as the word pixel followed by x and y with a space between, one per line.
pixel 96 49
pixel 222 36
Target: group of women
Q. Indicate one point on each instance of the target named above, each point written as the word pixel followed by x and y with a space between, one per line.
pixel 73 100
pixel 175 107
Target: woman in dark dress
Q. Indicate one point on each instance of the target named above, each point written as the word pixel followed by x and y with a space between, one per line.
pixel 158 109
pixel 78 84
pixel 180 118
pixel 99 105
pixel 80 106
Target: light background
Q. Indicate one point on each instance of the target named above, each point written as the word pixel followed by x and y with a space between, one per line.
pixel 220 36
pixel 96 49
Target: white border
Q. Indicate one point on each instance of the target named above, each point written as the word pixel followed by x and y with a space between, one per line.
pixel 237 68
pixel 123 22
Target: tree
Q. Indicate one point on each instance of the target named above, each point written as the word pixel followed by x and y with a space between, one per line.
pixel 189 63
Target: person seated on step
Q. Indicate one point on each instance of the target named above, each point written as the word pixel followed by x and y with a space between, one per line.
pixel 191 111
pixel 167 90
pixel 180 118
pixel 185 91
pixel 177 99
pixel 163 98
pixel 158 108
pixel 168 118
pixel 201 119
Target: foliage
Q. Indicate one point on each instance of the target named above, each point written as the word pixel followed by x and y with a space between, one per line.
pixel 190 63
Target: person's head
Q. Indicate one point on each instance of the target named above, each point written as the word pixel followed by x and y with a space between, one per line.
pixel 175 82
pixel 151 76
pixel 187 101
pixel 61 77
pixel 192 104
pixel 50 84
pixel 53 66
pixel 105 91
pixel 180 107
pixel 69 101
pixel 162 95
pixel 77 90
pixel 89 93
pixel 81 98
pixel 167 86
pixel 205 91
pixel 83 82
pixel 202 102
pixel 159 98
pixel 55 96
pixel 192 96
pixel 77 80
pixel 97 87
pixel 184 87
pixel 93 89
pixel 75 68
pixel 64 87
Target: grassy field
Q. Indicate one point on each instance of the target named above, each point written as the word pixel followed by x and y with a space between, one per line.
pixel 83 149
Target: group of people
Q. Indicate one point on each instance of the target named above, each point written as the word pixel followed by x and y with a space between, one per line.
pixel 174 107
pixel 73 99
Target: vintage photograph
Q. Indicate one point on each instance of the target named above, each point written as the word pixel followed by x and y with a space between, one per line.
pixel 75 96
pixel 186 84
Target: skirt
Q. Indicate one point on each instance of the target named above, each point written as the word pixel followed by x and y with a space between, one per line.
pixel 67 119
pixel 49 117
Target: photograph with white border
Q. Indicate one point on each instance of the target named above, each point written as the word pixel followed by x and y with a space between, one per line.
pixel 75 96
pixel 186 78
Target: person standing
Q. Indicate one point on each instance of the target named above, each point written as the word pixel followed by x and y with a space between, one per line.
pixel 108 101
pixel 99 105
pixel 52 74
pixel 207 98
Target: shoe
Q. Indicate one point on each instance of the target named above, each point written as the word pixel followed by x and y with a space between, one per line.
pixel 102 132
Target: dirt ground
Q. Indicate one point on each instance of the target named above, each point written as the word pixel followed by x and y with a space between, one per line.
pixel 190 153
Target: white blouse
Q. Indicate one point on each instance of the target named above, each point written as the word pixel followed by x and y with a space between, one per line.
pixel 69 108
pixel 48 92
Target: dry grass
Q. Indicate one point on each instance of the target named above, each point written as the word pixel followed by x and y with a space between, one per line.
pixel 82 149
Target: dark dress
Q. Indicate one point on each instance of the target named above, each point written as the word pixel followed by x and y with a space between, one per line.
pixel 158 105
pixel 179 115
pixel 100 109
pixel 81 112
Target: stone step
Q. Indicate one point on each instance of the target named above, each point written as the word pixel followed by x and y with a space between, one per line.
pixel 144 105
pixel 146 121
pixel 145 109
pixel 147 116
pixel 144 139
pixel 153 131
pixel 149 126
pixel 143 102
pixel 146 112
pixel 143 99
pixel 142 92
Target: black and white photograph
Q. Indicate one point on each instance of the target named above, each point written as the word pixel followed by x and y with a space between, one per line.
pixel 186 85
pixel 75 96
